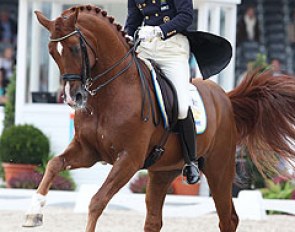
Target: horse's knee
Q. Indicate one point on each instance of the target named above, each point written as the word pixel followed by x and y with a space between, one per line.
pixel 55 165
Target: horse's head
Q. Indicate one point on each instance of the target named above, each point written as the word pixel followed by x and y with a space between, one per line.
pixel 74 54
pixel 75 43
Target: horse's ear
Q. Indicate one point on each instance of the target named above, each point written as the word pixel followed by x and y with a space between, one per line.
pixel 74 17
pixel 43 20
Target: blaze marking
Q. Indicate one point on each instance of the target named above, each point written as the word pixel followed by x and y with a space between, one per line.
pixel 59 48
pixel 67 92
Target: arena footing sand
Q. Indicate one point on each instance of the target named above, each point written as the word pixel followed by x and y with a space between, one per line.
pixel 57 219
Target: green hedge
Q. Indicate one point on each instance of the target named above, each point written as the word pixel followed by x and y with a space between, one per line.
pixel 24 144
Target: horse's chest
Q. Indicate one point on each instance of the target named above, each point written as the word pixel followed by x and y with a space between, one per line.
pixel 85 128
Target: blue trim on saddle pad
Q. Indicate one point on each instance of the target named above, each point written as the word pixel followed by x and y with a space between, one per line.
pixel 159 98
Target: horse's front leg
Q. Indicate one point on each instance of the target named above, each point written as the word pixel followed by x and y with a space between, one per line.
pixel 74 157
pixel 123 169
pixel 155 196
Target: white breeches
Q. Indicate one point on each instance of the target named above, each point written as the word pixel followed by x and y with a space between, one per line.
pixel 172 57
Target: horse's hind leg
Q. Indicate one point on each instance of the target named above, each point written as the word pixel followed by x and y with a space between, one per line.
pixel 156 192
pixel 220 170
pixel 73 157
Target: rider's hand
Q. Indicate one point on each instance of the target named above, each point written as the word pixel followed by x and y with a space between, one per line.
pixel 129 38
pixel 147 33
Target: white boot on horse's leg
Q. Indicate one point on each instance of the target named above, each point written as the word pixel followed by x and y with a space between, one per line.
pixel 34 216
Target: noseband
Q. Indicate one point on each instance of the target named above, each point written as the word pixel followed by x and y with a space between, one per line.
pixel 85 76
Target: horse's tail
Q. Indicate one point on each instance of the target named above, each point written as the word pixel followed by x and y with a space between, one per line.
pixel 264 111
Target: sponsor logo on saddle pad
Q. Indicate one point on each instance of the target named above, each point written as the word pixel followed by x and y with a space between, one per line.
pixel 198 109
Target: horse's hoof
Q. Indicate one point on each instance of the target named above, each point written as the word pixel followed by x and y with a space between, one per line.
pixel 33 220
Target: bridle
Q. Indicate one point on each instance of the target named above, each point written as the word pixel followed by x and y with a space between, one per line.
pixel 87 80
pixel 85 76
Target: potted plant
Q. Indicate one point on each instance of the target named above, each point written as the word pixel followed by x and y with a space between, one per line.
pixel 181 188
pixel 140 182
pixel 22 149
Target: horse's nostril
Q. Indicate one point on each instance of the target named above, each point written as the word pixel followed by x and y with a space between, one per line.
pixel 79 97
pixel 80 100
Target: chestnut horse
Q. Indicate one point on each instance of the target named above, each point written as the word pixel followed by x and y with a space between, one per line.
pixel 102 83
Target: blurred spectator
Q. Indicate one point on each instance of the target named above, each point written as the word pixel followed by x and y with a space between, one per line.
pixel 259 65
pixel 3 84
pixel 276 68
pixel 247 28
pixel 8 28
pixel 7 62
pixel 291 29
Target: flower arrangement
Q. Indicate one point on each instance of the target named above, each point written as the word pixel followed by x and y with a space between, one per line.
pixel 32 181
pixel 140 183
pixel 279 188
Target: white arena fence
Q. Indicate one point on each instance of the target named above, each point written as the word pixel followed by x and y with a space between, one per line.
pixel 249 204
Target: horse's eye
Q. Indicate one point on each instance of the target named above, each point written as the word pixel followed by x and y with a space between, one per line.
pixel 74 49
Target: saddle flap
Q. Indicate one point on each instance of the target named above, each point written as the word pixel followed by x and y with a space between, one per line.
pixel 168 94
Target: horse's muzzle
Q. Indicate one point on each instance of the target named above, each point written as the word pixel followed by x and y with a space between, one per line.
pixel 76 100
pixel 81 98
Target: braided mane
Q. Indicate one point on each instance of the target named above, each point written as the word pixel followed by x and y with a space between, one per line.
pixel 96 11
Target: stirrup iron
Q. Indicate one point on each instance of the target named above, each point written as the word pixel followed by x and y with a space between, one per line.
pixel 195 164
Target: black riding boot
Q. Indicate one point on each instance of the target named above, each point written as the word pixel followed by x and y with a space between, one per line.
pixel 188 142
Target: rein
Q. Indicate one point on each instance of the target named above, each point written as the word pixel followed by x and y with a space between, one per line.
pixel 92 79
pixel 87 80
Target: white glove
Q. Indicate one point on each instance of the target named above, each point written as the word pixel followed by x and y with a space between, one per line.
pixel 130 38
pixel 147 33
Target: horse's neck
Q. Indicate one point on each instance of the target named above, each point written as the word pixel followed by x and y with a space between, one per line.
pixel 107 37
pixel 111 50
pixel 111 45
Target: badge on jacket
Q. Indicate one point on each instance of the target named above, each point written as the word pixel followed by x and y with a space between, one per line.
pixel 164 5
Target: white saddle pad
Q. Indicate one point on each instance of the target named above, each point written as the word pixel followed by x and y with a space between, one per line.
pixel 198 109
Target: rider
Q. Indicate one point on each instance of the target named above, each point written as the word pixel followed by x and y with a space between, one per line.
pixel 161 24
